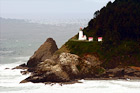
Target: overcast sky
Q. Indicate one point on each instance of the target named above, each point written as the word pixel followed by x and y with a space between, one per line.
pixel 41 8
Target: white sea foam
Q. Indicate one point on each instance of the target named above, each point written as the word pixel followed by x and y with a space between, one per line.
pixel 13 77
pixel 100 86
pixel 9 83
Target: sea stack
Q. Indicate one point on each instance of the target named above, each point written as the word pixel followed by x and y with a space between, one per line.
pixel 45 51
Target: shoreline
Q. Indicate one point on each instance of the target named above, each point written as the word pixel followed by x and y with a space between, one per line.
pixel 26 71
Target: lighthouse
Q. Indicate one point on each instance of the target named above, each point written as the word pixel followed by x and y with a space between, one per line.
pixel 81 35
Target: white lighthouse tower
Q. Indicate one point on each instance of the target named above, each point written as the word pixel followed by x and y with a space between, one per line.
pixel 81 36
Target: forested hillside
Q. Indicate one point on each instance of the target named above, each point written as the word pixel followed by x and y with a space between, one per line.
pixel 116 21
pixel 119 25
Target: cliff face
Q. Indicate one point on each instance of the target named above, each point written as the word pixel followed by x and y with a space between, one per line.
pixel 44 52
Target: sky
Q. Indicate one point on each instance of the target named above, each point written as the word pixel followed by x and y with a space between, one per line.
pixel 43 8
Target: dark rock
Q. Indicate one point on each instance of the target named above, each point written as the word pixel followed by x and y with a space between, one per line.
pixel 7 68
pixel 51 77
pixel 44 52
pixel 137 74
pixel 24 72
pixel 132 72
pixel 24 81
pixel 129 72
pixel 122 73
pixel 22 66
pixel 116 72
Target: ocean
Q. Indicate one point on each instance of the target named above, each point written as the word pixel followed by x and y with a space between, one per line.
pixel 19 39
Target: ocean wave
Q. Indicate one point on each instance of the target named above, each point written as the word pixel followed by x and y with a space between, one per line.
pixel 6 52
pixel 88 86
pixel 22 58
pixel 11 65
pixel 10 79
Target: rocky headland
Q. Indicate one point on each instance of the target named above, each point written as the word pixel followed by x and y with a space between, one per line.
pixel 48 66
pixel 117 56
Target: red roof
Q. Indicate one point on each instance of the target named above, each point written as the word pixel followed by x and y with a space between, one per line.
pixel 90 38
pixel 100 37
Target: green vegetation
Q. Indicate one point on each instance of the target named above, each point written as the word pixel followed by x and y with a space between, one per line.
pixel 83 47
pixel 119 25
pixel 125 54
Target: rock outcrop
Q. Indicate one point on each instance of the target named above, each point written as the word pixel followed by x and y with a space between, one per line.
pixel 122 73
pixel 69 67
pixel 44 52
